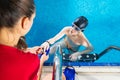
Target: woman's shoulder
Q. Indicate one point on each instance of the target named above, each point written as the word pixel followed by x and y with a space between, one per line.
pixel 16 54
pixel 28 54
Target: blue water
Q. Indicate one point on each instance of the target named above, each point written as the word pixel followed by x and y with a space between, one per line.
pixel 102 31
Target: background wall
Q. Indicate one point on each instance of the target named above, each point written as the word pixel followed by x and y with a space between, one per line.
pixel 102 31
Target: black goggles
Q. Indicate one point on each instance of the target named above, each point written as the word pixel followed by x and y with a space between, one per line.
pixel 77 28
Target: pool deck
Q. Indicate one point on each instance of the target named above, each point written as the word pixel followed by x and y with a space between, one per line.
pixel 92 72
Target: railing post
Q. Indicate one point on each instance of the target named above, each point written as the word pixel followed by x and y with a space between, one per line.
pixel 57 64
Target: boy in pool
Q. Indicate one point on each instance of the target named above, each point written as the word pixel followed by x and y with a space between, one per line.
pixel 73 39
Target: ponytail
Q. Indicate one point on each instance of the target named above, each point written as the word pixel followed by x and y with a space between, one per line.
pixel 22 43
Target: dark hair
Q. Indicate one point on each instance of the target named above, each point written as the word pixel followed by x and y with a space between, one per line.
pixel 12 10
pixel 22 43
pixel 81 22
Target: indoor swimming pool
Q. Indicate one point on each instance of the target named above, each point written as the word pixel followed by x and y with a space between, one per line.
pixel 102 31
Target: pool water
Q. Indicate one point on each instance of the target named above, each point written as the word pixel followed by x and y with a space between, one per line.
pixel 102 31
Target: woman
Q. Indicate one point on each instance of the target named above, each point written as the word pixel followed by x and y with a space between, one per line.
pixel 18 62
pixel 73 39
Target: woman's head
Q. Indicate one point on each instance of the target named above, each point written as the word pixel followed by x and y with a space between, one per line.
pixel 80 23
pixel 17 15
pixel 12 10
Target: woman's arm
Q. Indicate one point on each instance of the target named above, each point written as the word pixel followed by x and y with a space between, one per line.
pixel 34 50
pixel 43 58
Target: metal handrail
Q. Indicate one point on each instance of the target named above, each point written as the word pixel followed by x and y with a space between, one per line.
pixel 108 49
pixel 91 57
pixel 57 64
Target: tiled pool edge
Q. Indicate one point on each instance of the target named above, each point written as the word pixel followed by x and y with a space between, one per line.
pixel 100 69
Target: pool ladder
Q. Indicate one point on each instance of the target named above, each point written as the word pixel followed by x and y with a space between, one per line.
pixel 57 64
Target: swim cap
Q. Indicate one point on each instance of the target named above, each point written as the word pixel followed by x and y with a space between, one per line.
pixel 81 22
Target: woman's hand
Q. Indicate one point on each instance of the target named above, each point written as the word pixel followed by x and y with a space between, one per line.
pixel 34 50
pixel 44 57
